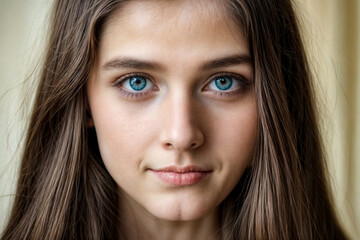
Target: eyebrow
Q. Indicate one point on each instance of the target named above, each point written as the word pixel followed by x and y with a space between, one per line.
pixel 120 62
pixel 133 63
pixel 226 62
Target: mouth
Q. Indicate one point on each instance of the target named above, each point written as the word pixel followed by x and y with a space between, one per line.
pixel 181 176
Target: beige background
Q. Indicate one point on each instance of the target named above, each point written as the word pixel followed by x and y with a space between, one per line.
pixel 332 30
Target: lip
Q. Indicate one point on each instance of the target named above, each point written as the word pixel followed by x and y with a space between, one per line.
pixel 181 176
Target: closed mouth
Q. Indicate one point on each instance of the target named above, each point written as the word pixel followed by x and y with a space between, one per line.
pixel 181 176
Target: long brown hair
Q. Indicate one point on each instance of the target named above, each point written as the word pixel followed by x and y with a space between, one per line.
pixel 65 192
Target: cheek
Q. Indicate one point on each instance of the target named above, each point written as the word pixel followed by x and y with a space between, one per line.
pixel 123 135
pixel 236 133
pixel 236 139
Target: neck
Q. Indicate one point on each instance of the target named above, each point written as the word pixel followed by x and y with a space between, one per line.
pixel 137 223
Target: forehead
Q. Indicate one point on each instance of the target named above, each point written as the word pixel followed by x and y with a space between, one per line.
pixel 171 12
pixel 142 17
pixel 177 32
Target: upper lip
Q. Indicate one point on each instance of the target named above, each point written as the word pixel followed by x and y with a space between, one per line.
pixel 181 169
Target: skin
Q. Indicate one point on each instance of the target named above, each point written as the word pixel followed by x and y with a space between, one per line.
pixel 180 119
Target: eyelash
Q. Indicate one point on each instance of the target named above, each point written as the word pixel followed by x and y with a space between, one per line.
pixel 241 81
pixel 134 95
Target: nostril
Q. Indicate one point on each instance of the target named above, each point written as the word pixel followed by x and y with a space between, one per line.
pixel 182 142
pixel 195 145
pixel 168 145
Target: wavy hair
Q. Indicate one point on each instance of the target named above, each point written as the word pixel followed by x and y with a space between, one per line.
pixel 65 192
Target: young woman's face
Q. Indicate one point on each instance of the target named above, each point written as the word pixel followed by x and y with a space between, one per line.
pixel 172 101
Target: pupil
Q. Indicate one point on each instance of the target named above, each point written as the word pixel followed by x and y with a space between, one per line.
pixel 223 83
pixel 137 83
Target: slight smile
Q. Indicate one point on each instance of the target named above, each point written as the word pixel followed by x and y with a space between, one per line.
pixel 181 176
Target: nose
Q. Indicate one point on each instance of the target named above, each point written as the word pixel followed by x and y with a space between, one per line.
pixel 180 130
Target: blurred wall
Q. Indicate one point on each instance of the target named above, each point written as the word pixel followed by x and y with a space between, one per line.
pixel 22 24
pixel 331 28
pixel 332 33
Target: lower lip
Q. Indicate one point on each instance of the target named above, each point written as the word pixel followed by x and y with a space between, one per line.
pixel 181 178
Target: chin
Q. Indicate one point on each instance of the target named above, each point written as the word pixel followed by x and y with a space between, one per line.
pixel 180 210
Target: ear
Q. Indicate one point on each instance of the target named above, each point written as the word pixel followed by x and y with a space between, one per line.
pixel 89 119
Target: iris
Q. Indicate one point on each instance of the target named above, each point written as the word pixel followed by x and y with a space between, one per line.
pixel 223 83
pixel 137 83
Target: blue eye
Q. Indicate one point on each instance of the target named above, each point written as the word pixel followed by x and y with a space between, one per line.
pixel 223 83
pixel 137 83
pixel 135 86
